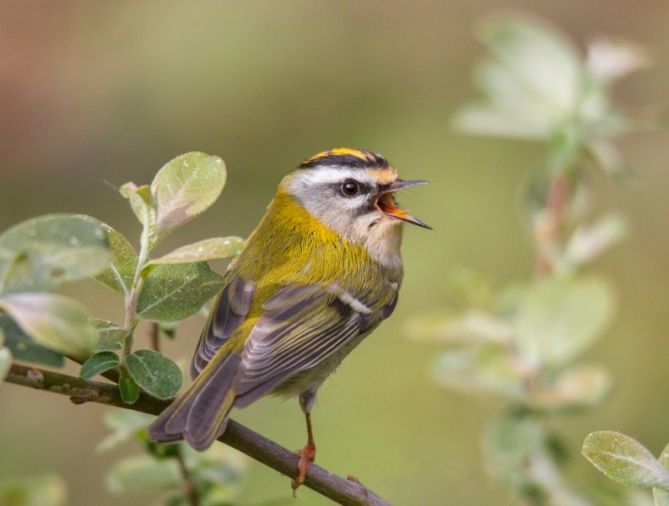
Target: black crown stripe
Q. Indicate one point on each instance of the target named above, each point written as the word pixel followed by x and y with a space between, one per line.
pixel 356 159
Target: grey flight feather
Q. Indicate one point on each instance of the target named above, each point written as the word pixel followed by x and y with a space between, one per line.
pixel 227 313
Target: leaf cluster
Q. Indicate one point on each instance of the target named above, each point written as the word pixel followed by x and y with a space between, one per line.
pixel 524 342
pixel 40 326
pixel 215 474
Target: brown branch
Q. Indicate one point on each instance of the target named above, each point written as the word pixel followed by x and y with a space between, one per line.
pixel 154 336
pixel 342 491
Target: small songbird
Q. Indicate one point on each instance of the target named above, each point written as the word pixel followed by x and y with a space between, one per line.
pixel 319 273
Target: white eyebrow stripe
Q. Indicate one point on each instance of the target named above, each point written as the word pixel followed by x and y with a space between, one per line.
pixel 333 174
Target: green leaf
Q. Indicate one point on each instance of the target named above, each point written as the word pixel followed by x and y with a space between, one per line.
pixel 581 386
pixel 472 327
pixel 54 321
pixel 119 275
pixel 208 249
pixel 661 497
pixel 485 369
pixel 218 464
pixel 531 83
pixel 129 390
pixel 43 252
pixel 174 292
pixel 154 373
pixel 557 319
pixel 143 472
pixel 110 335
pixel 99 363
pixel 184 188
pixel 46 490
pixel 588 242
pixel 125 425
pixel 141 202
pixel 5 361
pixel 509 444
pixel 624 460
pixel 24 348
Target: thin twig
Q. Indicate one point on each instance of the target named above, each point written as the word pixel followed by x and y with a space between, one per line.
pixel 189 486
pixel 265 451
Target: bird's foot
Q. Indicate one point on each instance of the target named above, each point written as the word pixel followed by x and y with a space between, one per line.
pixel 307 456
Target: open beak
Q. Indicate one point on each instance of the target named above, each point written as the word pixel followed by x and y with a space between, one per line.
pixel 388 204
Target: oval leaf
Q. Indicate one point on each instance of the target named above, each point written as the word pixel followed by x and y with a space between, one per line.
pixel 201 251
pixel 51 249
pixel 154 373
pixel 129 390
pixel 184 188
pixel 24 348
pixel 143 472
pixel 578 387
pixel 119 275
pixel 661 497
pixel 54 321
pixel 530 83
pixel 557 319
pixel 99 363
pixel 174 292
pixel 141 202
pixel 125 425
pixel 110 335
pixel 588 242
pixel 624 460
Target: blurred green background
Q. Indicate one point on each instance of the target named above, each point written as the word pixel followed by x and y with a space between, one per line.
pixel 96 92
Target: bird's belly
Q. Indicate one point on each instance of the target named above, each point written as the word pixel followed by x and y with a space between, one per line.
pixel 311 379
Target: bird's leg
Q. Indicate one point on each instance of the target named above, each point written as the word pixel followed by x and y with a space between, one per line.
pixel 308 453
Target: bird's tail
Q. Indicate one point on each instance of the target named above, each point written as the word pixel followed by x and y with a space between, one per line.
pixel 200 413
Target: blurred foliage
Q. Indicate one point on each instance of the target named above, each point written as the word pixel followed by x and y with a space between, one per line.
pixel 36 256
pixel 45 490
pixel 537 85
pixel 525 342
pixel 215 473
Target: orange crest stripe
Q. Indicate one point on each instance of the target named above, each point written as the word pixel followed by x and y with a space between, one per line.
pixel 346 157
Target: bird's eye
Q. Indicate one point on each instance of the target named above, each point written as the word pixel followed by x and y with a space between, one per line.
pixel 350 188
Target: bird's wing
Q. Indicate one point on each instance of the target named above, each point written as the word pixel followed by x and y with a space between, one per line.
pixel 300 327
pixel 296 328
pixel 228 311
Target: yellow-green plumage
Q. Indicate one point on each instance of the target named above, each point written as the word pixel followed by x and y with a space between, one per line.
pixel 298 298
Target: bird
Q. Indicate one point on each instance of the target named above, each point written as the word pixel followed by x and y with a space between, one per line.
pixel 322 269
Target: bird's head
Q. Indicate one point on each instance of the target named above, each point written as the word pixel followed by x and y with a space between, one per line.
pixel 353 192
